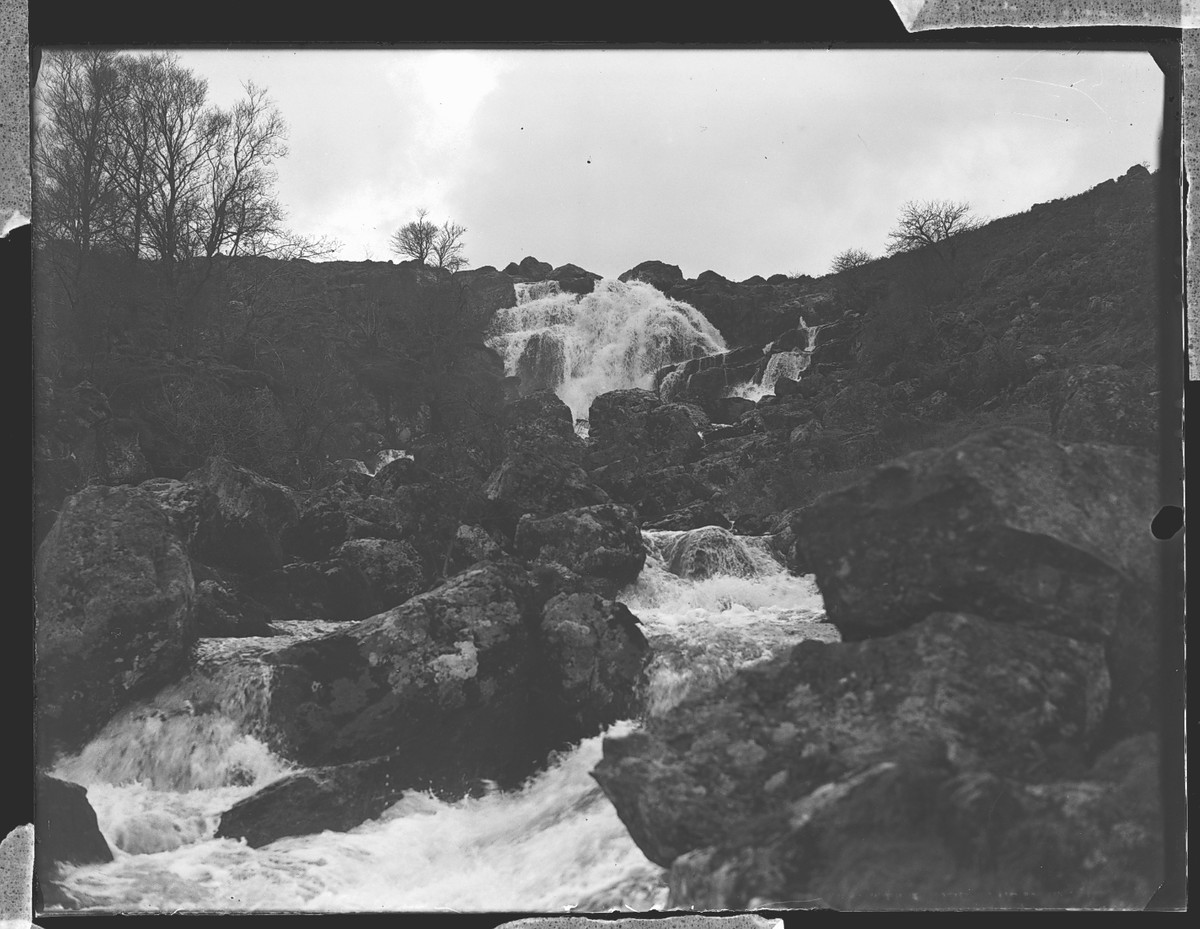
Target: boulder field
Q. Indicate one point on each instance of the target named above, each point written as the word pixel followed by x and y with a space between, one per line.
pixel 983 735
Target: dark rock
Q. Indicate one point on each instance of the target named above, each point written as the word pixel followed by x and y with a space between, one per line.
pixel 486 289
pixel 954 691
pixel 399 472
pixel 1007 524
pixel 594 659
pixel 542 421
pixel 574 279
pixel 459 653
pixel 1107 404
pixel 542 363
pixel 335 798
pixel 708 551
pixel 658 274
pixel 355 507
pixel 180 501
pixel 533 269
pixel 599 542
pixel 66 829
pixel 786 387
pixel 115 618
pixel 221 613
pixel 858 405
pixel 693 516
pixel 728 409
pixel 242 517
pixel 635 427
pixel 539 484
pixel 908 836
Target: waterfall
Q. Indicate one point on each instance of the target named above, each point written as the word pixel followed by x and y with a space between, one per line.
pixel 781 364
pixel 161 774
pixel 616 337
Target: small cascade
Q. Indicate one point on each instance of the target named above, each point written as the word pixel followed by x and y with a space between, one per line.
pixel 535 290
pixel 615 337
pixel 781 364
pixel 711 602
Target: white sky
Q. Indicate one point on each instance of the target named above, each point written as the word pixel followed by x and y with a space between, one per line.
pixel 740 161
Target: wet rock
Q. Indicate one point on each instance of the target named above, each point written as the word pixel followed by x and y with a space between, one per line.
pixel 221 613
pixel 335 798
pixel 574 279
pixel 115 609
pixel 709 551
pixel 786 387
pixel 904 835
pixel 721 767
pixel 1106 403
pixel 1007 524
pixel 441 677
pixel 347 509
pixel 65 832
pixel 602 543
pixel 542 422
pixel 539 484
pixel 658 274
pixel 693 516
pixel 729 409
pixel 594 658
pixel 243 517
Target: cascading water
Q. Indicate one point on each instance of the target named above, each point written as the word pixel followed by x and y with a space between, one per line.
pixel 616 337
pixel 780 364
pixel 161 773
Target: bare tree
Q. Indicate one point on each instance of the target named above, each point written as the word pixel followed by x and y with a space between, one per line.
pixel 448 246
pixel 851 258
pixel 931 223
pixel 415 239
pixel 75 147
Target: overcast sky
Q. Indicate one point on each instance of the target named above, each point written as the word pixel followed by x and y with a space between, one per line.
pixel 743 162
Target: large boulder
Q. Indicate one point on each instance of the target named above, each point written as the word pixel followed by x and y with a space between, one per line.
pixel 905 835
pixel 335 798
pixel 601 543
pixel 574 279
pixel 468 681
pixel 539 484
pixel 955 689
pixel 594 661
pixel 243 517
pixel 658 274
pixel 353 507
pixel 541 421
pixel 1007 524
pixel 115 596
pixel 632 432
pixel 66 832
pixel 440 677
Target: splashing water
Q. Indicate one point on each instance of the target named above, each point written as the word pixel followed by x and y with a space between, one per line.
pixel 781 364
pixel 160 775
pixel 703 629
pixel 616 337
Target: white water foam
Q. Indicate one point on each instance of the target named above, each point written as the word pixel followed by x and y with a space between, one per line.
pixel 616 337
pixel 160 775
pixel 781 364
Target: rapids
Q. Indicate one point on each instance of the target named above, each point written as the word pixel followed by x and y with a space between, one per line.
pixel 616 337
pixel 161 773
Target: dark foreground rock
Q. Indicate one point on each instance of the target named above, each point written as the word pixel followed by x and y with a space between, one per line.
pixel 718 768
pixel 335 798
pixel 115 610
pixel 464 682
pixel 915 836
pixel 66 832
pixel 602 543
pixel 1008 524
